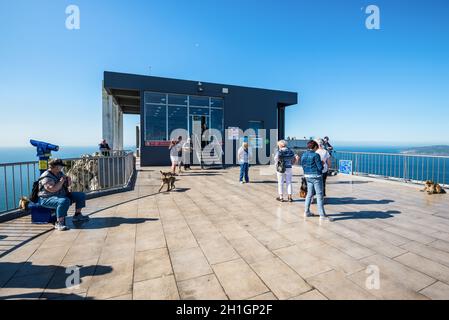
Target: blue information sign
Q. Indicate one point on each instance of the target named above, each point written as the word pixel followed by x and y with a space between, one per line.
pixel 345 167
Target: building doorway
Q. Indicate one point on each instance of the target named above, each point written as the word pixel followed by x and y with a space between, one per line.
pixel 198 125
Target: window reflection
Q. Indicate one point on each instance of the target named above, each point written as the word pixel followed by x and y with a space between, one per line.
pixel 199 101
pixel 155 122
pixel 177 118
pixel 176 99
pixel 152 97
pixel 164 113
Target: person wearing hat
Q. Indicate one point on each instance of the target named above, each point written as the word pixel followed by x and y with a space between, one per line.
pixel 54 194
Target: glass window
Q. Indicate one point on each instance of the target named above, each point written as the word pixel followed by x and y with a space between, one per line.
pixel 155 122
pixel 177 99
pixel 152 97
pixel 164 113
pixel 199 101
pixel 216 103
pixel 199 111
pixel 177 118
pixel 216 119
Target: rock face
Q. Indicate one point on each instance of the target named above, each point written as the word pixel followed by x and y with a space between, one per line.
pixel 84 174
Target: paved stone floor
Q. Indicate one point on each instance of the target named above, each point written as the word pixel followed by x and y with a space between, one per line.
pixel 216 239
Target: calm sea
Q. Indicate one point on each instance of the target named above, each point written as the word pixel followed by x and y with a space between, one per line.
pixel 23 154
pixel 8 155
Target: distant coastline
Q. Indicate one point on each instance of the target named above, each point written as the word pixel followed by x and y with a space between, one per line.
pixel 435 150
pixel 439 150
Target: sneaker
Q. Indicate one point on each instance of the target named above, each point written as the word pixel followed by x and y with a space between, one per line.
pixel 79 218
pixel 326 218
pixel 241 182
pixel 60 227
pixel 280 199
pixel 290 199
pixel 308 214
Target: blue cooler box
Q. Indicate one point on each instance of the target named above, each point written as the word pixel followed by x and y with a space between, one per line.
pixel 41 215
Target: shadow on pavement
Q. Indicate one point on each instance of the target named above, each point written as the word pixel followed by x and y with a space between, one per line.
pixel 364 215
pixel 45 296
pixel 349 182
pixel 47 277
pixel 352 200
pixel 109 222
pixel 263 181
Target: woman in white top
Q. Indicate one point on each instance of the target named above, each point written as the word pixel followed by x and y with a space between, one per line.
pixel 326 159
pixel 175 154
pixel 288 159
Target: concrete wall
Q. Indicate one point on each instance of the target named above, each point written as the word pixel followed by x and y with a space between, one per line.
pixel 112 122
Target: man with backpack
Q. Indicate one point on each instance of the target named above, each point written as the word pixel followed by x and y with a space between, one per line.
pixel 285 158
pixel 54 194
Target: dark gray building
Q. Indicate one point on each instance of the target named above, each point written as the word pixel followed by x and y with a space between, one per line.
pixel 166 104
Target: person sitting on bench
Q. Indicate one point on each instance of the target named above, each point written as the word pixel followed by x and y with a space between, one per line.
pixel 54 194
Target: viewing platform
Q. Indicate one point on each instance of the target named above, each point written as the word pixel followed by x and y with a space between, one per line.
pixel 213 238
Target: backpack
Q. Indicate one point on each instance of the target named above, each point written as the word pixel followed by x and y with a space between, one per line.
pixel 34 197
pixel 303 189
pixel 280 166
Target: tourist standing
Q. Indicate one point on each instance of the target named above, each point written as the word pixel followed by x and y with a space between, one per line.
pixel 313 172
pixel 284 158
pixel 244 155
pixel 175 154
pixel 104 148
pixel 327 146
pixel 326 160
pixel 186 152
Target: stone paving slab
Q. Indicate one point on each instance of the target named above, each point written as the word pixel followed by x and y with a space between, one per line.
pixel 214 238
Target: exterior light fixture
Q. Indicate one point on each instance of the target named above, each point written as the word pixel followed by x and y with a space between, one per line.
pixel 200 87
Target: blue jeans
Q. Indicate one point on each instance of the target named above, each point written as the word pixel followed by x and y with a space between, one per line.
pixel 62 204
pixel 244 168
pixel 315 186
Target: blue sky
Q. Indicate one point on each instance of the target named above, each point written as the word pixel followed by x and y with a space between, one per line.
pixel 355 85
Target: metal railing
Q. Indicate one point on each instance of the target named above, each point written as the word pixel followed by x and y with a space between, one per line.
pixel 403 167
pixel 16 180
pixel 89 174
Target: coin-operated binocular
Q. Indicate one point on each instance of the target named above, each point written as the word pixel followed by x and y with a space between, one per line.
pixel 43 151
